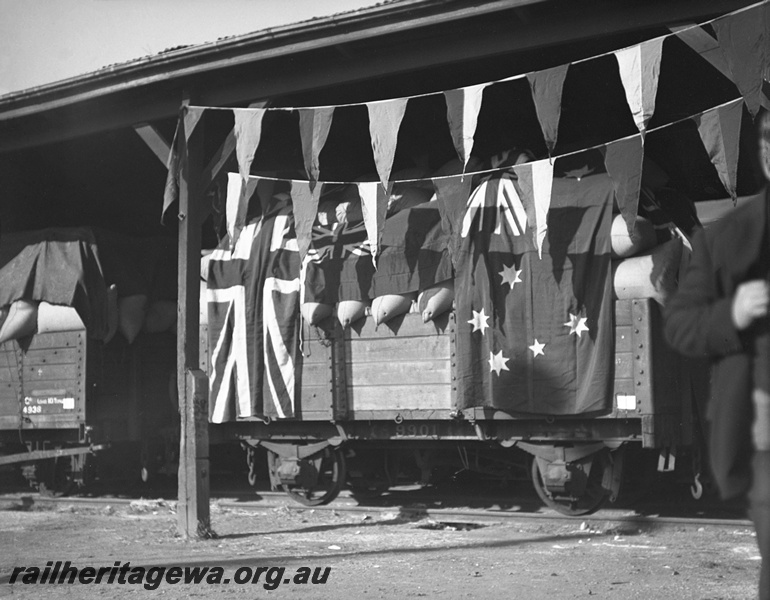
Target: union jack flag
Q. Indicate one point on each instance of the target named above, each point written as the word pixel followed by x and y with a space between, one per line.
pixel 340 240
pixel 413 256
pixel 338 265
pixel 253 303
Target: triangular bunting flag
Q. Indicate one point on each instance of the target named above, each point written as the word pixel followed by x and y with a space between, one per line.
pixel 237 204
pixel 192 115
pixel 536 183
pixel 248 131
pixel 546 89
pixel 639 71
pixel 314 126
pixel 462 110
pixel 720 129
pixel 384 123
pixel 304 206
pixel 266 192
pixel 623 160
pixel 704 44
pixel 374 206
pixel 741 37
pixel 171 191
pixel 452 195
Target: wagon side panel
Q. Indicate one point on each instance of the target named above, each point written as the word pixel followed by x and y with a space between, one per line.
pixel 400 369
pixel 43 383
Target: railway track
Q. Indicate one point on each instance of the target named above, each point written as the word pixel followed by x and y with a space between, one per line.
pixel 411 505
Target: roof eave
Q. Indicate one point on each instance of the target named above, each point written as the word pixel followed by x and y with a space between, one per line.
pixel 227 52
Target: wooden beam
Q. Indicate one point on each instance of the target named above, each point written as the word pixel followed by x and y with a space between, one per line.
pixel 154 140
pixel 193 515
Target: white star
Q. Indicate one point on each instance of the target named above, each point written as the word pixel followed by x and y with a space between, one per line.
pixel 497 362
pixel 479 321
pixel 537 348
pixel 510 275
pixel 577 325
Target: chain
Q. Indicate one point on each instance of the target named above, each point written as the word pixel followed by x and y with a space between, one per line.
pixel 19 364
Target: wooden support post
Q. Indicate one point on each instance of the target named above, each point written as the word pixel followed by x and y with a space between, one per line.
pixel 193 517
pixel 192 511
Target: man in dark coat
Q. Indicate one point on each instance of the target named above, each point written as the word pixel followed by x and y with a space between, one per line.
pixel 720 311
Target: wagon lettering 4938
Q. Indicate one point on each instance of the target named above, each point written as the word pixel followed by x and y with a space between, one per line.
pixel 47 403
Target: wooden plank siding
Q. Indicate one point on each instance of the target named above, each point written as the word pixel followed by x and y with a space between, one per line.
pixel 43 387
pixel 406 369
pixel 624 362
pixel 315 380
pixel 405 366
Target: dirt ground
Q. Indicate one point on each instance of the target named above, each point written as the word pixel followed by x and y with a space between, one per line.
pixel 374 556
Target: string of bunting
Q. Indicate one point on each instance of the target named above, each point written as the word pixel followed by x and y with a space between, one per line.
pixel 718 127
pixel 739 52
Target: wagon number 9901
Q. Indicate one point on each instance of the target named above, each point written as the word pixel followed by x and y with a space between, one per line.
pixel 412 430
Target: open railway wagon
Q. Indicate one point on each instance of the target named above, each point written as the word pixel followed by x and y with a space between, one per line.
pixel 379 399
pixel 85 369
pixel 460 278
pixel 94 150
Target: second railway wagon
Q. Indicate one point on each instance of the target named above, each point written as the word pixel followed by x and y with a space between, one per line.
pixel 85 369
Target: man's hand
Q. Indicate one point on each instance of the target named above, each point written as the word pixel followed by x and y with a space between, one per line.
pixel 751 302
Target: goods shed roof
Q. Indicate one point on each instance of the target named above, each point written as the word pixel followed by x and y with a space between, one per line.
pixel 394 48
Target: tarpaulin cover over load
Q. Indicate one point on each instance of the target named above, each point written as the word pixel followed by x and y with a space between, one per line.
pixel 534 333
pixel 74 266
pixel 146 266
pixel 58 265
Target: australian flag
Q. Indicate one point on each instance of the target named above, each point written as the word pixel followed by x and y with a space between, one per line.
pixel 534 332
pixel 253 304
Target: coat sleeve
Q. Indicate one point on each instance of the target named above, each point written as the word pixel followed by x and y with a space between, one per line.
pixel 698 317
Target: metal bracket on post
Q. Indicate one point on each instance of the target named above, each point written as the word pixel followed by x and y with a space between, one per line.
pixel 667 459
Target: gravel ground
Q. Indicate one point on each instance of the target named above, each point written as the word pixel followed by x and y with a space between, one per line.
pixel 374 556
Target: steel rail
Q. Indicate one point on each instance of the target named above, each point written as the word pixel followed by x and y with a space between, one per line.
pixel 604 518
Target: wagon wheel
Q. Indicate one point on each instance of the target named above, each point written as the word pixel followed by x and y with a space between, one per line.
pixel 590 501
pixel 56 477
pixel 330 463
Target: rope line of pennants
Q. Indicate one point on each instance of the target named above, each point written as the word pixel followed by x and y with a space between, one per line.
pixel 740 52
pixel 718 127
